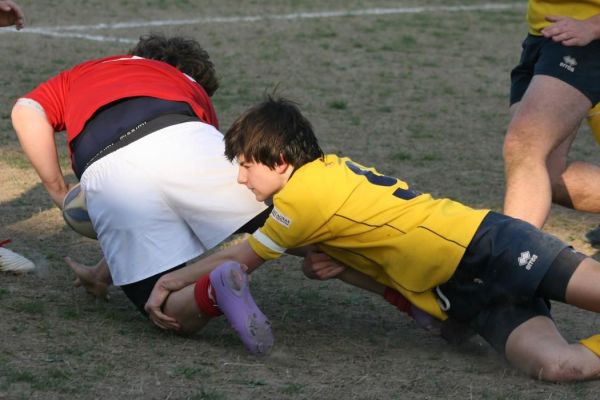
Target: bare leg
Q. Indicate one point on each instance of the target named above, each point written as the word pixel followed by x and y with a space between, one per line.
pixel 181 305
pixel 537 348
pixel 582 184
pixel 230 284
pixel 550 111
pixel 96 280
pixel 575 185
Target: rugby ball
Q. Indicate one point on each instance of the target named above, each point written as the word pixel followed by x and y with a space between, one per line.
pixel 75 213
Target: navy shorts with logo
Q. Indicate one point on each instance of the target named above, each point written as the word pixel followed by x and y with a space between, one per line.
pixel 579 66
pixel 496 286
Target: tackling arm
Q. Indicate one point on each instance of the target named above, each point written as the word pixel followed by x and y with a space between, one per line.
pixel 188 275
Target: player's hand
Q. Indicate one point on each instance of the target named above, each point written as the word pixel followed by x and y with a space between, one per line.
pixel 162 289
pixel 58 190
pixel 11 14
pixel 569 31
pixel 320 266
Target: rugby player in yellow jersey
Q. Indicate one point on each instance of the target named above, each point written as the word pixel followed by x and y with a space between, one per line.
pixel 484 269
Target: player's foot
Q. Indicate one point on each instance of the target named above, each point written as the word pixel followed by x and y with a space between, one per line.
pixel 89 279
pixel 593 236
pixel 236 302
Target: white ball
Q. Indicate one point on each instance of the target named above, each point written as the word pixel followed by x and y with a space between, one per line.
pixel 75 213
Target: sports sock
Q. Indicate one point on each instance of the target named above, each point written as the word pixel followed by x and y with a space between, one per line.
pixel 395 298
pixel 592 343
pixel 205 297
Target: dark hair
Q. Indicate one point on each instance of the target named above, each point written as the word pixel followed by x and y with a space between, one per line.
pixel 270 130
pixel 184 54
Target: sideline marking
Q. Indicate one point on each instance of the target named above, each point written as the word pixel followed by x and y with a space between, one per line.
pixel 70 30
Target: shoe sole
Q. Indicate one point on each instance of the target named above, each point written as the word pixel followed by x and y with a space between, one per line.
pixel 240 309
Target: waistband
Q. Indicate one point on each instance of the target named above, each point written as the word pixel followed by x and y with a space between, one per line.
pixel 143 129
pixel 112 121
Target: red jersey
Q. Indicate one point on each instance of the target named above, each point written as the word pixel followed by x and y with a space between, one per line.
pixel 73 96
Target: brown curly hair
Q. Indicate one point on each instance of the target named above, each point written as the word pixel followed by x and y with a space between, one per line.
pixel 184 54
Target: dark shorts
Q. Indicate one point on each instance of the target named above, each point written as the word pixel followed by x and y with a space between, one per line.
pixel 579 66
pixel 509 271
pixel 138 292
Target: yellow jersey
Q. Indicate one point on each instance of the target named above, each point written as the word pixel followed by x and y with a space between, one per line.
pixel 374 223
pixel 538 10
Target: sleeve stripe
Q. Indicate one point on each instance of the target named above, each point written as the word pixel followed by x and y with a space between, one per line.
pixel 267 242
pixel 27 102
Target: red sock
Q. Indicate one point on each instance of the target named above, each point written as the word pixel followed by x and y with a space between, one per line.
pixel 395 298
pixel 205 303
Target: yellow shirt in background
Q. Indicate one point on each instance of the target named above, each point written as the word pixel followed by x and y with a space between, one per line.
pixel 537 11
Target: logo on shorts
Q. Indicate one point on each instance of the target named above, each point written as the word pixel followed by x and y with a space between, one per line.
pixel 279 217
pixel 569 63
pixel 526 259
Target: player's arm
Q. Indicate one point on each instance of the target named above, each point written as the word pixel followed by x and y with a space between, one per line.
pixel 36 136
pixel 572 32
pixel 188 275
pixel 320 266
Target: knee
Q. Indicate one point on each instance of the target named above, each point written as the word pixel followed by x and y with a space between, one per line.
pixel 521 146
pixel 515 147
pixel 558 370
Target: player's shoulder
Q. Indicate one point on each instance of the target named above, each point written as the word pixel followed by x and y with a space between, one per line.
pixel 318 174
pixel 319 181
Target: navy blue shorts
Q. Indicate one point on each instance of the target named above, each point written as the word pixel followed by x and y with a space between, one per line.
pixel 509 271
pixel 579 66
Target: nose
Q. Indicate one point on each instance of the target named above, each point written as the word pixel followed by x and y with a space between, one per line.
pixel 241 178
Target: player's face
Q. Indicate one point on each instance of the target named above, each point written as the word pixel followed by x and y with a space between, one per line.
pixel 263 181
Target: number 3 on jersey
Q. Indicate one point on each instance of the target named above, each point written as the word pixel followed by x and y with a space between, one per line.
pixel 383 180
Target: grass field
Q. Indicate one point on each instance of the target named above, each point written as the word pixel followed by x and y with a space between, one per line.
pixel 419 91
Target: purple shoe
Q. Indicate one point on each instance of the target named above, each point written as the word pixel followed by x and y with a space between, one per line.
pixel 236 302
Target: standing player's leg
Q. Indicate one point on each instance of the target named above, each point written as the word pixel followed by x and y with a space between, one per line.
pixel 549 112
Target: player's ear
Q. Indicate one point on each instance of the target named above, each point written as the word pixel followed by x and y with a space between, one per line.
pixel 282 166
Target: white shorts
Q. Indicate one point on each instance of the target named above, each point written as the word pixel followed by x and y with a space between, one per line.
pixel 165 199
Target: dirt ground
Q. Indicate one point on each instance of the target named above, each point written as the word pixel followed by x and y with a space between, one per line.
pixel 421 95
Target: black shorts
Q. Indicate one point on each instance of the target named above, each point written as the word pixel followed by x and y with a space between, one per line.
pixel 500 282
pixel 138 292
pixel 579 66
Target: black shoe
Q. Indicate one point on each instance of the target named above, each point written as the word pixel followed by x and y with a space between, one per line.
pixel 593 236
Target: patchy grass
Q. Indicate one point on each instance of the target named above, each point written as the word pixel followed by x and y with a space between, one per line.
pixel 420 96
